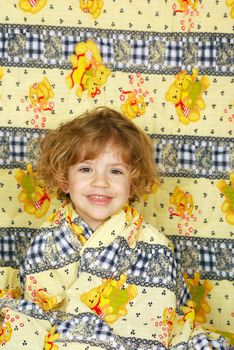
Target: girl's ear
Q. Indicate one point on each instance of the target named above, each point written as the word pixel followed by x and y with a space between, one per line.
pixel 64 187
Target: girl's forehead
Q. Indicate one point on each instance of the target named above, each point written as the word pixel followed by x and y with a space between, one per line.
pixel 89 151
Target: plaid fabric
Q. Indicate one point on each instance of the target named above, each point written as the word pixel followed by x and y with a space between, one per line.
pixel 7 248
pixel 213 258
pixel 3 44
pixel 18 148
pixel 207 258
pixel 100 330
pixel 173 54
pixel 106 49
pixel 186 156
pixel 219 156
pixel 183 294
pixel 141 266
pixel 68 45
pixel 101 333
pixel 35 47
pixel 108 258
pixel 139 52
pixel 14 243
pixel 15 148
pixel 203 342
pixel 35 253
pixel 207 53
pixel 220 159
pixel 59 236
pixel 152 265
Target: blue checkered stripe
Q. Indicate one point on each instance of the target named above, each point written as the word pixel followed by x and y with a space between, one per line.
pixel 7 247
pixel 108 257
pixel 53 237
pixel 72 329
pixel 203 342
pixel 173 53
pixel 146 265
pixel 214 258
pixel 14 145
pixel 187 153
pixel 34 47
pixel 14 243
pixel 187 156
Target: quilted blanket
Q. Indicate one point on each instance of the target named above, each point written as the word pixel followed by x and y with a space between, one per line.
pixel 167 65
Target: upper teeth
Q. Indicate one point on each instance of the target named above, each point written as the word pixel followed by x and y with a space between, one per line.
pixel 98 196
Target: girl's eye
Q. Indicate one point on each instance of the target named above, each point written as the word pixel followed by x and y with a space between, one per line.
pixel 116 171
pixel 84 170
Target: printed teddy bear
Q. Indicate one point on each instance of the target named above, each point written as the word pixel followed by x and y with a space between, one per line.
pixel 228 204
pixel 33 195
pixel 45 300
pixel 109 299
pixel 199 292
pixel 50 339
pixel 134 106
pixel 1 73
pixel 5 333
pixel 230 3
pixel 169 315
pixel 32 6
pixel 93 84
pixel 182 201
pixel 88 71
pixel 186 4
pixel 40 93
pixel 186 94
pixel 93 7
pixel 13 293
pixel 189 311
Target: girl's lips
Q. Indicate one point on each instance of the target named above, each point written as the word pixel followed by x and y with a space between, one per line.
pixel 99 199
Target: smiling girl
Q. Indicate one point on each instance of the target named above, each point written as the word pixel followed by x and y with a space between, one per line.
pixel 99 276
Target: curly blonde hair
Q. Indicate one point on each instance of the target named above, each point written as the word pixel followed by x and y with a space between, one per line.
pixel 85 137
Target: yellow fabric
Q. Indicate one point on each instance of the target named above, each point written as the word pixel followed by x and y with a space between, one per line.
pixel 139 309
pixel 37 92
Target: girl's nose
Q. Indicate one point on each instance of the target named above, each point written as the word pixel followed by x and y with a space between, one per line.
pixel 100 180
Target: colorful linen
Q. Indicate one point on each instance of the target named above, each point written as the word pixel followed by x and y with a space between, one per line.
pixel 118 289
pixel 59 58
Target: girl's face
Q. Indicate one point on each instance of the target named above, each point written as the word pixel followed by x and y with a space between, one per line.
pixel 99 187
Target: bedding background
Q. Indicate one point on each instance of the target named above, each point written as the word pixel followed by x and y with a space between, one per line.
pixel 166 64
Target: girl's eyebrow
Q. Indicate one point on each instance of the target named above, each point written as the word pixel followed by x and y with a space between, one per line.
pixel 90 161
pixel 120 164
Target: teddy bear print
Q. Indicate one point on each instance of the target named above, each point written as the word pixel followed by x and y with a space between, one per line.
pixel 50 339
pixel 134 106
pixel 186 94
pixel 169 315
pixel 5 333
pixel 198 291
pixel 182 201
pixel 89 73
pixel 228 192
pixel 32 6
pixel 109 299
pixel 33 195
pixel 184 5
pixel 94 7
pixel 1 73
pixel 40 94
pixel 230 3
